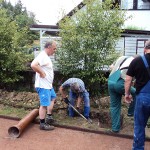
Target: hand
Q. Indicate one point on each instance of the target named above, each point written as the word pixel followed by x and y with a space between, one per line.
pixel 43 75
pixel 128 98
pixel 66 100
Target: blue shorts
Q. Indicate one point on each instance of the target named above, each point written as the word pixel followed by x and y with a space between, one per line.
pixel 46 96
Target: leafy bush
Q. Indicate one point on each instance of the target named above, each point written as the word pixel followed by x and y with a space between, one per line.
pixel 13 59
pixel 88 42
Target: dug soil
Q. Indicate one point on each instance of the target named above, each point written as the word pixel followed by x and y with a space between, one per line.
pixel 100 114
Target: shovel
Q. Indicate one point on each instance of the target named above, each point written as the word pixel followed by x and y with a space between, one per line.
pixel 88 120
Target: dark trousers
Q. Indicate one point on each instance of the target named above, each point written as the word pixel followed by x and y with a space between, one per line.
pixel 86 99
pixel 141 115
pixel 116 90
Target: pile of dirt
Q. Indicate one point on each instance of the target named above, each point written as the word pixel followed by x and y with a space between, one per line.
pixel 99 109
pixel 27 100
pixel 19 99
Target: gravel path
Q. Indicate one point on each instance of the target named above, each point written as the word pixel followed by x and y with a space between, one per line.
pixel 59 139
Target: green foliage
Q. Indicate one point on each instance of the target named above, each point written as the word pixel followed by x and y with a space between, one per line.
pixel 15 41
pixel 88 41
pixel 12 59
pixel 23 18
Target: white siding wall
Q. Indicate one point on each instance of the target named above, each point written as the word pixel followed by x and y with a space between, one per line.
pixel 125 45
pixel 120 46
pixel 139 19
pixel 129 45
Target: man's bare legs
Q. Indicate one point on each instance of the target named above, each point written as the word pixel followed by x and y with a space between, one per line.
pixel 50 108
pixel 49 117
pixel 42 112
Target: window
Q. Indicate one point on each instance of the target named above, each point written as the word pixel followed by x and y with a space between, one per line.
pixel 135 4
pixel 140 44
pixel 143 4
pixel 126 4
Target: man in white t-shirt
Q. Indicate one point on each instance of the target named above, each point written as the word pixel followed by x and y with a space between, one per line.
pixel 43 67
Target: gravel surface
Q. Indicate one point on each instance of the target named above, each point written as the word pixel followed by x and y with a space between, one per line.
pixel 59 139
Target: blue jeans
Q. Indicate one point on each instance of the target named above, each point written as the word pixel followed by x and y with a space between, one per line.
pixel 85 96
pixel 141 115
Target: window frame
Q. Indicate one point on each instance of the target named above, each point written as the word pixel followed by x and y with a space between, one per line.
pixel 135 5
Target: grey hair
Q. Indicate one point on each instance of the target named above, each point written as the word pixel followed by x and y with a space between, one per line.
pixel 147 45
pixel 48 43
pixel 75 86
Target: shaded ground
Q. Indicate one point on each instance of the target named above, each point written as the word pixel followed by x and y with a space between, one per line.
pixel 59 139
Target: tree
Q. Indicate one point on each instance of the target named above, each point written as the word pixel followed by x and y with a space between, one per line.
pixel 23 18
pixel 12 59
pixel 88 41
pixel 15 41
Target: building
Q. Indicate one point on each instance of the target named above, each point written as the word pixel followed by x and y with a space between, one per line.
pixel 131 42
pixel 138 9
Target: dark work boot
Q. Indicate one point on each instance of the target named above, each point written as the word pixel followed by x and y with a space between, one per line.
pixel 50 120
pixel 45 126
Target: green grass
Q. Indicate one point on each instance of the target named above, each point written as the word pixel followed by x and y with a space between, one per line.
pixel 13 112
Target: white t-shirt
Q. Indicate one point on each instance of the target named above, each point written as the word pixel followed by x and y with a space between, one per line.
pixel 126 63
pixel 46 64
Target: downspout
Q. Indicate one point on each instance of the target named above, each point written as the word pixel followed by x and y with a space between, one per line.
pixel 16 130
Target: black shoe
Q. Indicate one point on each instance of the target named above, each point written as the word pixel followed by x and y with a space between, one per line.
pixel 49 120
pixel 112 131
pixel 44 126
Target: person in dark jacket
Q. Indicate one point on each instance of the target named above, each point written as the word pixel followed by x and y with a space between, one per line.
pixel 140 69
